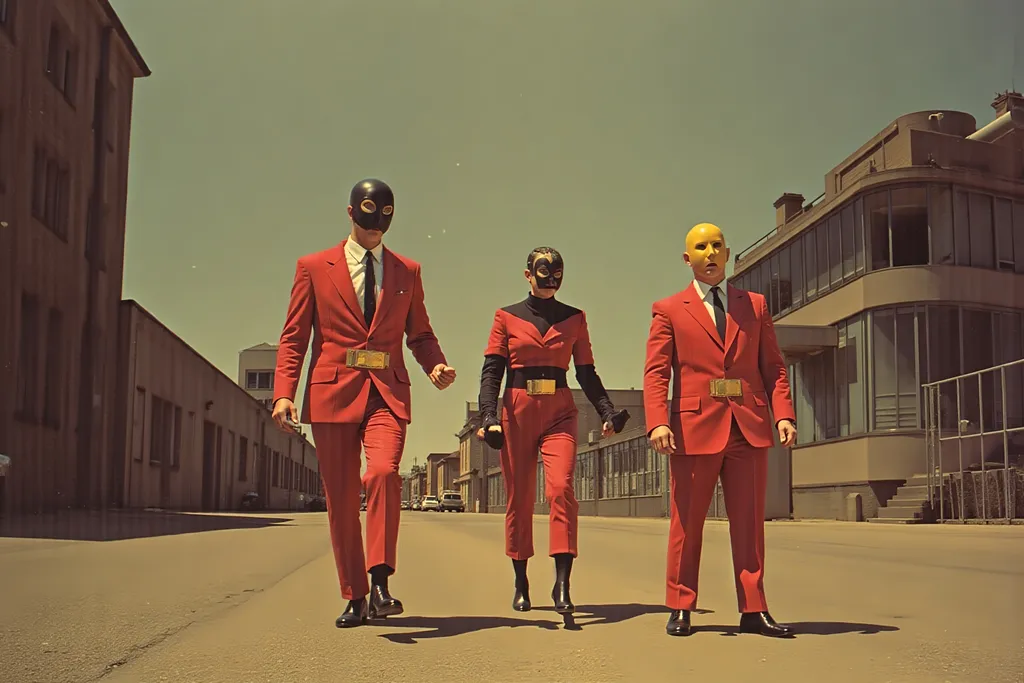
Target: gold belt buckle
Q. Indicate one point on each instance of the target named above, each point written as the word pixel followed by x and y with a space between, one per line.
pixel 726 388
pixel 540 387
pixel 364 359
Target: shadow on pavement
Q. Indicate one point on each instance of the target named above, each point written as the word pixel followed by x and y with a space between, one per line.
pixel 81 525
pixel 809 628
pixel 596 615
pixel 446 627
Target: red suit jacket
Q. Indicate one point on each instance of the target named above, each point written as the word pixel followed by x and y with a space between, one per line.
pixel 683 342
pixel 323 302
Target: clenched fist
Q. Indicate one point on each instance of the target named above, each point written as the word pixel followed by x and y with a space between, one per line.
pixel 442 376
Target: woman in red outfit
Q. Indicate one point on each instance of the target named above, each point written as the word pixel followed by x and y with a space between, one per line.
pixel 535 339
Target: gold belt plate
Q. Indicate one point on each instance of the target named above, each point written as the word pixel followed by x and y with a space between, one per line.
pixel 364 359
pixel 540 387
pixel 726 388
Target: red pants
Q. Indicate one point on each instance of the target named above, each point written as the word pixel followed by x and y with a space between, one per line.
pixel 744 473
pixel 382 437
pixel 546 424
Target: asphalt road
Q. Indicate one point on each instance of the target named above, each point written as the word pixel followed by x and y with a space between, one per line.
pixel 211 599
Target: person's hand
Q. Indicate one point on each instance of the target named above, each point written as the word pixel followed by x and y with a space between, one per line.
pixel 787 432
pixel 285 410
pixel 607 429
pixel 663 440
pixel 442 376
pixel 493 436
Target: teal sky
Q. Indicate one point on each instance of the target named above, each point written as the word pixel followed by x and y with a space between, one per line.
pixel 603 129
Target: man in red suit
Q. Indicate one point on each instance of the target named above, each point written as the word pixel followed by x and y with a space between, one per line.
pixel 358 300
pixel 719 343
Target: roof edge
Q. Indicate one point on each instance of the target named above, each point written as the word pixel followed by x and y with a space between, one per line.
pixel 133 50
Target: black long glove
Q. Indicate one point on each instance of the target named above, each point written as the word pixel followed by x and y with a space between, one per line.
pixel 494 438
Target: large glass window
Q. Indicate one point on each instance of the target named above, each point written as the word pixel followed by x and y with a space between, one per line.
pixel 940 218
pixel 810 265
pixel 876 219
pixel 821 239
pixel 849 266
pixel 1003 219
pixel 909 218
pixel 835 250
pixel 982 232
pixel 796 265
pixel 1018 236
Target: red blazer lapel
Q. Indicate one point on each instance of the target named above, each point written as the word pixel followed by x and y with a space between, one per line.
pixel 694 305
pixel 740 314
pixel 337 270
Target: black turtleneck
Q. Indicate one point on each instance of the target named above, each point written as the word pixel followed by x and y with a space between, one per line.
pixel 542 314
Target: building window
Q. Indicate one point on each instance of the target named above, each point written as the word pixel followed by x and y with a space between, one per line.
pixel 51 192
pixel 894 380
pixel 28 358
pixel 161 427
pixel 54 377
pixel 243 458
pixel 1003 222
pixel 259 380
pixel 876 219
pixel 909 226
pixel 1018 236
pixel 62 62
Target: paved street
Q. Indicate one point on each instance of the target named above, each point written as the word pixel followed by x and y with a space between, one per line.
pixel 228 598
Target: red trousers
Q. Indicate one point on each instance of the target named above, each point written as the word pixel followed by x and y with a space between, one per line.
pixel 744 473
pixel 382 436
pixel 547 424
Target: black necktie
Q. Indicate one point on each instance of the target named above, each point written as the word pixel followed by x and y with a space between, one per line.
pixel 370 290
pixel 716 303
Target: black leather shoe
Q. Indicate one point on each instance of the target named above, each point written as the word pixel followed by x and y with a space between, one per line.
pixel 678 623
pixel 762 623
pixel 382 604
pixel 560 591
pixel 354 614
pixel 521 601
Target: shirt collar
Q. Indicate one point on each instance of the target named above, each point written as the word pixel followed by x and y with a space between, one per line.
pixel 358 252
pixel 704 289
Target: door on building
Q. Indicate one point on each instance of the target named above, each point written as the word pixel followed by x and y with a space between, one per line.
pixel 209 465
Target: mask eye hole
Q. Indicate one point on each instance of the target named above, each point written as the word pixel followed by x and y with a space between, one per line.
pixel 542 271
pixel 367 206
pixel 387 210
pixel 558 275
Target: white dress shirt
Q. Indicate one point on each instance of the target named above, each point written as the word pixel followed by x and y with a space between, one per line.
pixel 704 292
pixel 355 256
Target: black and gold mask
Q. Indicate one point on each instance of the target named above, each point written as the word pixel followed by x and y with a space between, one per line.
pixel 547 267
pixel 373 204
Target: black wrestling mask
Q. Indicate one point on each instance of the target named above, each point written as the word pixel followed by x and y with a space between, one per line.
pixel 546 267
pixel 373 204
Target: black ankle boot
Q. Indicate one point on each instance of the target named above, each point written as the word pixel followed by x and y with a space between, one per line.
pixel 521 601
pixel 560 593
pixel 381 603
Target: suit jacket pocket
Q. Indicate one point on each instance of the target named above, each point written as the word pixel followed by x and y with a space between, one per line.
pixel 760 399
pixel 686 404
pixel 323 375
pixel 402 375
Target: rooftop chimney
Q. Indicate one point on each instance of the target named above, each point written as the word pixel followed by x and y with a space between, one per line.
pixel 1007 100
pixel 786 208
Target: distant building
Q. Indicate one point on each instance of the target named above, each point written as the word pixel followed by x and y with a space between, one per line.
pixel 908 269
pixel 68 71
pixel 256 366
pixel 414 484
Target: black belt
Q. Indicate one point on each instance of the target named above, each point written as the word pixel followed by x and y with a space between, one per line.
pixel 518 377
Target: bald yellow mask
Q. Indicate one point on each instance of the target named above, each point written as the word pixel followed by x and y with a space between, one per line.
pixel 706 253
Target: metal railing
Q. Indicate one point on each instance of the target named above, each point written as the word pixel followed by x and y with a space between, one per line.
pixel 968 420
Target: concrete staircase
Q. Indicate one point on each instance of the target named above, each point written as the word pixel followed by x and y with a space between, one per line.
pixel 909 505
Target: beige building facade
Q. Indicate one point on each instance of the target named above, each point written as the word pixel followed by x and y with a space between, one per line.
pixel 908 269
pixel 189 438
pixel 68 71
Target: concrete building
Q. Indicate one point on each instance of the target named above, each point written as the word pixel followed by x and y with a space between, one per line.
pixel 68 70
pixel 442 470
pixel 475 458
pixel 587 438
pixel 256 366
pixel 908 269
pixel 414 484
pixel 187 437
